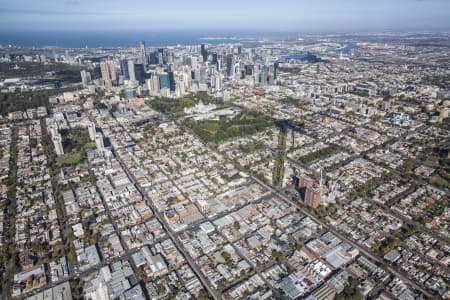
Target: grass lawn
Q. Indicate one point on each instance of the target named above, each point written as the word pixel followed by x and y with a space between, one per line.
pixel 76 143
pixel 69 159
pixel 320 154
pixel 216 131
pixel 252 147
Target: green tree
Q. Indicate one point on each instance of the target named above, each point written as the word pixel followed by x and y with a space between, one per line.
pixel 203 295
pixel 236 225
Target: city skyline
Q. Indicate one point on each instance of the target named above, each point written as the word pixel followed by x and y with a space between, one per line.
pixel 313 168
pixel 224 150
pixel 302 16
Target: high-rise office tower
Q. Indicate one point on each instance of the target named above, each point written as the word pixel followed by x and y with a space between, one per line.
pixel 216 82
pixel 270 78
pixel 139 73
pixel 214 59
pixel 164 82
pixel 124 68
pixel 275 70
pixel 112 72
pixel 97 72
pixel 92 132
pixel 53 130
pixel 180 85
pixel 194 62
pixel 99 141
pixel 219 62
pixel 57 142
pixel 168 56
pixel 164 58
pixel 104 70
pixel 211 70
pixel 241 71
pixel 172 84
pixel 264 75
pixel 204 52
pixel 230 66
pixel 105 74
pixel 108 71
pixel 153 84
pixel 197 74
pixel 202 77
pixel 85 77
pixel 131 70
pixel 153 58
pixel 142 54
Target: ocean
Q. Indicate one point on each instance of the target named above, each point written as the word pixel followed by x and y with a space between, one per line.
pixel 113 39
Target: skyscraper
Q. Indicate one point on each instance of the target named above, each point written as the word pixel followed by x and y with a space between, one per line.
pixel 214 59
pixel 172 82
pixel 104 70
pixel 105 74
pixel 91 130
pixel 85 77
pixel 275 70
pixel 139 73
pixel 306 182
pixel 124 68
pixel 53 130
pixel 153 58
pixel 312 197
pixel 202 77
pixel 312 192
pixel 131 70
pixel 248 70
pixel 142 55
pixel 204 52
pixel 57 142
pixel 99 141
pixel 97 72
pixel 263 75
pixel 108 71
pixel 112 72
pixel 230 67
pixel 153 84
pixel 164 82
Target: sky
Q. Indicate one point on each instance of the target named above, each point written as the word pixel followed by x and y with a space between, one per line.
pixel 232 15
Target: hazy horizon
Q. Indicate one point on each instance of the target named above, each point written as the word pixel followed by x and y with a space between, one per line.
pixel 232 15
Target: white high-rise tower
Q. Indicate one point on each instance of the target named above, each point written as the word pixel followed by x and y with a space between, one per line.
pixel 57 142
pixel 91 130
pixel 99 141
